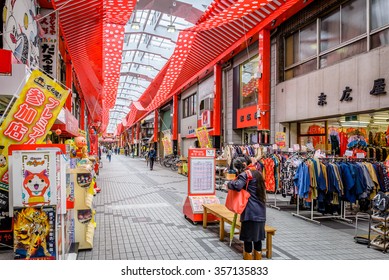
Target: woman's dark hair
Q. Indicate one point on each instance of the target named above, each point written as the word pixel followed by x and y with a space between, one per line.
pixel 239 164
pixel 261 188
pixel 247 159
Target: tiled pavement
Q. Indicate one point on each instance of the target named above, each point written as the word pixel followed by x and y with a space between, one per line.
pixel 139 216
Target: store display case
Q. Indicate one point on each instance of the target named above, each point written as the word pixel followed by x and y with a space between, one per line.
pixel 81 179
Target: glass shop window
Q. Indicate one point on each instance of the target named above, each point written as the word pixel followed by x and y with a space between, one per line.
pixel 249 73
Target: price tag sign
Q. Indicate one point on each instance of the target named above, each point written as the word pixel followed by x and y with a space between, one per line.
pixel 296 147
pixel 275 147
pixel 290 150
pixel 360 155
pixel 348 153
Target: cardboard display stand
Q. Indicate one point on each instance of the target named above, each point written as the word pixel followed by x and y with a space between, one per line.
pixel 37 200
pixel 201 183
pixel 80 196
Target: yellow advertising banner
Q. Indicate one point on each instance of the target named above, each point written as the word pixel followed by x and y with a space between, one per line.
pixel 167 145
pixel 28 121
pixel 203 137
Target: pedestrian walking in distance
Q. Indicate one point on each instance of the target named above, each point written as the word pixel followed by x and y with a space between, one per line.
pixel 151 155
pixel 109 155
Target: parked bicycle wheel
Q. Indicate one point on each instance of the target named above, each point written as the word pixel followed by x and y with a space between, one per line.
pixel 174 166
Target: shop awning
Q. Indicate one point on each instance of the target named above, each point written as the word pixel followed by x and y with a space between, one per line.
pixel 94 32
pixel 67 123
pixel 224 27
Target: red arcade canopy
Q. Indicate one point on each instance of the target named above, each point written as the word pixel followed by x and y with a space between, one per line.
pixel 94 32
pixel 223 28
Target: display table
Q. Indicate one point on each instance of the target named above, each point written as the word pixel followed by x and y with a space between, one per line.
pixel 225 215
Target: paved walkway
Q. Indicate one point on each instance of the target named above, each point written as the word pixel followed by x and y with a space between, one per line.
pixel 139 216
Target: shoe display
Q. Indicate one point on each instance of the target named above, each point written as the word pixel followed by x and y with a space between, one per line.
pixel 380 228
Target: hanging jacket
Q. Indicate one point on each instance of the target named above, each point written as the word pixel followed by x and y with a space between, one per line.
pixel 348 180
pixel 302 180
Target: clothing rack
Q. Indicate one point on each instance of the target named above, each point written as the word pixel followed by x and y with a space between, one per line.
pixel 314 219
pixel 292 154
pixel 343 216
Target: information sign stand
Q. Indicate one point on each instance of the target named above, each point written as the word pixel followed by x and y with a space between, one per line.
pixel 201 184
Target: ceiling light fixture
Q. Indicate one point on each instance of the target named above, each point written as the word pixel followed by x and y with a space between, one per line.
pixel 135 24
pixel 171 28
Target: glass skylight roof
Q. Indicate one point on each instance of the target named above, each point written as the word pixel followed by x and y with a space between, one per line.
pixel 148 45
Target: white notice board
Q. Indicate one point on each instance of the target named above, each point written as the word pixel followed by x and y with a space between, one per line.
pixel 202 175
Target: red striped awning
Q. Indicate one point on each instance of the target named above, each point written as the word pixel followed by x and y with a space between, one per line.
pixel 94 31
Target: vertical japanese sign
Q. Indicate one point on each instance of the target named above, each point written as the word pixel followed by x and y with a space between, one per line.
pixel 49 43
pixel 203 137
pixel 28 121
pixel 167 145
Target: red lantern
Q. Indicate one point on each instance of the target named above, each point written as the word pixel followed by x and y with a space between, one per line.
pixel 58 131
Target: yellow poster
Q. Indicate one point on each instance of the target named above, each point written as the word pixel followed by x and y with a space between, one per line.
pixel 280 139
pixel 167 145
pixel 203 137
pixel 30 118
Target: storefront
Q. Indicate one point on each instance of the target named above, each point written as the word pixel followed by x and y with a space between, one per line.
pixel 188 119
pixel 242 98
pixel 325 94
pixel 165 132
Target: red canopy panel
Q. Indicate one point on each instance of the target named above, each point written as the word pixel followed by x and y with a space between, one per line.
pixel 82 25
pixel 200 47
pixel 117 14
pixel 134 114
pixel 94 31
pixel 119 129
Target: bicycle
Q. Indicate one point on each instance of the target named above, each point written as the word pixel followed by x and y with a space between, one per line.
pixel 168 160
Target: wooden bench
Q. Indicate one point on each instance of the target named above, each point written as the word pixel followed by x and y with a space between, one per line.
pixel 226 216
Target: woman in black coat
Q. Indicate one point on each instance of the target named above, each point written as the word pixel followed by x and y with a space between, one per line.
pixel 253 217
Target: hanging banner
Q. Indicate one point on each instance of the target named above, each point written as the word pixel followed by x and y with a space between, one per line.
pixel 28 121
pixel 167 145
pixel 49 42
pixel 203 137
pixel 280 139
pixel 167 142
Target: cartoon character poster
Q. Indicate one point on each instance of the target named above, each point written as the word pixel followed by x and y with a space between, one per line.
pixel 20 31
pixel 34 233
pixel 34 178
